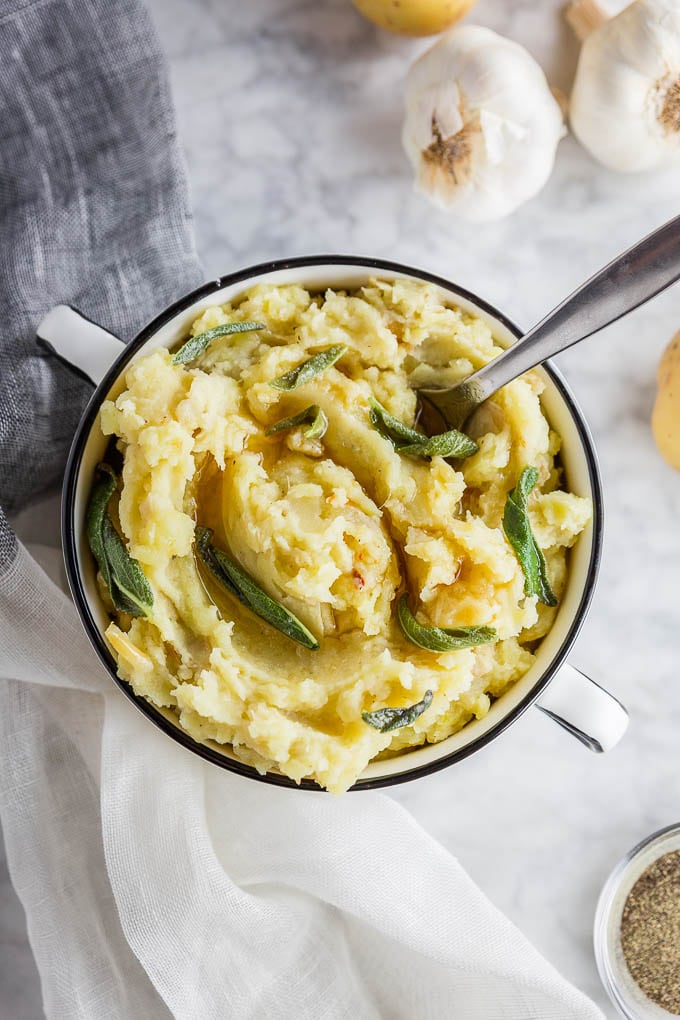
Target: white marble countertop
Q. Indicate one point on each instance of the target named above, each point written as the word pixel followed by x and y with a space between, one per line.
pixel 290 114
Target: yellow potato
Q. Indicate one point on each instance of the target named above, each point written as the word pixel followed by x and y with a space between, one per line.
pixel 414 17
pixel 666 414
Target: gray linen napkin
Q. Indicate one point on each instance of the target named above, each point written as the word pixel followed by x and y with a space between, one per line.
pixel 93 212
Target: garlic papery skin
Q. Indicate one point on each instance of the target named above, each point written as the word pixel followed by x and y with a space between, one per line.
pixel 625 104
pixel 481 126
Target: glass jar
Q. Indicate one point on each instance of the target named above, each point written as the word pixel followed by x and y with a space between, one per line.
pixel 627 996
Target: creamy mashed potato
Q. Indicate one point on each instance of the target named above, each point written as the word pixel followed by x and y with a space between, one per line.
pixel 335 529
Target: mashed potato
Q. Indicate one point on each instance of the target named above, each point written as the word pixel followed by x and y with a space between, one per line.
pixel 334 529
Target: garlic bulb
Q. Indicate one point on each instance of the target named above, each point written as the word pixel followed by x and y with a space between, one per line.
pixel 482 125
pixel 625 105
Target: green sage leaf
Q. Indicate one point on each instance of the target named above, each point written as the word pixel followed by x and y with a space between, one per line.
pixel 195 345
pixel 312 416
pixel 388 719
pixel 391 428
pixel 126 574
pixel 309 369
pixel 97 507
pixel 123 576
pixel 441 639
pixel 446 444
pixel 206 550
pixel 517 527
pixel 239 583
pixel 411 443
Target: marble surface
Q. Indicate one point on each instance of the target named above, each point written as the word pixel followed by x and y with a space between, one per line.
pixel 290 114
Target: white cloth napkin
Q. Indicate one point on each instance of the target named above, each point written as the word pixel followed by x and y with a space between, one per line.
pixel 157 885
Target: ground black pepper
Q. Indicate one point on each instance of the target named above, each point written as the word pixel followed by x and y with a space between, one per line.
pixel 650 932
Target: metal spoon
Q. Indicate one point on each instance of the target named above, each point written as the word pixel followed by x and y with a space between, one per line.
pixel 631 279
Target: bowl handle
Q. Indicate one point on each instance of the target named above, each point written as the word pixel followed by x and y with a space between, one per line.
pixel 584 709
pixel 82 344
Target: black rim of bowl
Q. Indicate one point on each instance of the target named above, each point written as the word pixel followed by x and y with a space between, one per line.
pixel 70 544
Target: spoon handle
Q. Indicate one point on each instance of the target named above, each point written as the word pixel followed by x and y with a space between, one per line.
pixel 631 279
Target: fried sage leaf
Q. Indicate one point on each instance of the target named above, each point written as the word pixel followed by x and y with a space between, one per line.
pixel 97 509
pixel 241 584
pixel 127 575
pixel 123 576
pixel 411 443
pixel 206 550
pixel 195 345
pixel 391 428
pixel 517 527
pixel 446 444
pixel 312 416
pixel 388 719
pixel 309 369
pixel 441 639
